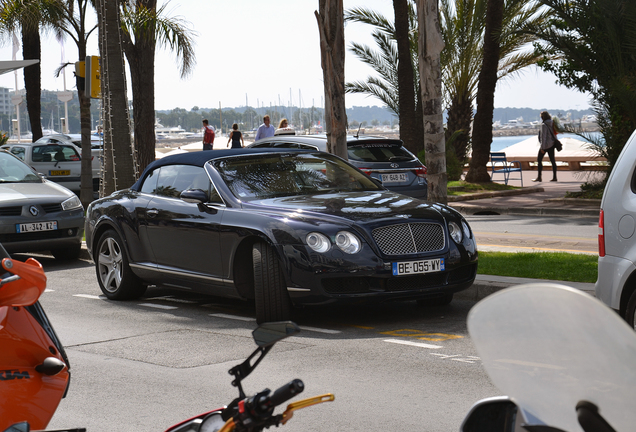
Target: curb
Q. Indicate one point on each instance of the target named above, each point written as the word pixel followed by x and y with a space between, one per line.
pixel 492 194
pixel 524 211
pixel 485 285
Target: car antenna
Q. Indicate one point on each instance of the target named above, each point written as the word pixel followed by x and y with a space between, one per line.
pixel 358 133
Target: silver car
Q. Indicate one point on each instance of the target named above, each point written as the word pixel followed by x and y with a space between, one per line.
pixel 37 214
pixel 616 284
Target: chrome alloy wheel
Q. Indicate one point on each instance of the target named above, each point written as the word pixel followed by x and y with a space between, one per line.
pixel 110 264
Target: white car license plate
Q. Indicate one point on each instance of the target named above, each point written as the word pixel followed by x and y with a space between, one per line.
pixel 36 226
pixel 418 267
pixel 394 178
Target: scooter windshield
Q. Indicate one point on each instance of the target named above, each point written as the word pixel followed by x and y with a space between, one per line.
pixel 549 346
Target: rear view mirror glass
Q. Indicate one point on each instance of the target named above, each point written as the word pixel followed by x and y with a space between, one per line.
pixel 269 333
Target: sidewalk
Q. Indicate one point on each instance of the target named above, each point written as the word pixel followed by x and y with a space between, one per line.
pixel 534 199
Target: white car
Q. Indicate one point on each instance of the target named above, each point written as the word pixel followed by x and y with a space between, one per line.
pixel 57 157
pixel 616 284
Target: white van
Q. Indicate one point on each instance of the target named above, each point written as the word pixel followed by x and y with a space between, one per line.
pixel 57 158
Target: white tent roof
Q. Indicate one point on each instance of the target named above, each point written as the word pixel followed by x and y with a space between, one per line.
pixel 529 148
pixel 11 65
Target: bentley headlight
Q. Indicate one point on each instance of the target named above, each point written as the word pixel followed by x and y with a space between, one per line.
pixel 455 232
pixel 348 242
pixel 72 203
pixel 466 229
pixel 318 242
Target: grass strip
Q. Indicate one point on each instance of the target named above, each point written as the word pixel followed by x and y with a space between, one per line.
pixel 559 266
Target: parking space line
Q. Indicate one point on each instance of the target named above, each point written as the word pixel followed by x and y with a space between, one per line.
pixel 158 306
pixel 319 330
pixel 89 296
pixel 172 299
pixel 416 344
pixel 234 317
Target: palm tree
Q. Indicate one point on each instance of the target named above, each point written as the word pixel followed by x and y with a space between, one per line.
pixel 28 16
pixel 462 24
pixel 119 170
pixel 595 41
pixel 330 18
pixel 463 29
pixel 143 27
pixel 486 93
pixel 396 63
pixel 430 46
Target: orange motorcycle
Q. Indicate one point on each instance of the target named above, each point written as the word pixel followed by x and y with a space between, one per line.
pixel 34 369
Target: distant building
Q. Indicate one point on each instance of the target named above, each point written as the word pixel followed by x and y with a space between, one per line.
pixel 6 107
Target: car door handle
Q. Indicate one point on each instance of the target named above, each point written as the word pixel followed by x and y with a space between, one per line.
pixel 152 213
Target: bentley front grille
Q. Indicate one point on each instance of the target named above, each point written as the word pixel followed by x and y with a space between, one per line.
pixel 409 238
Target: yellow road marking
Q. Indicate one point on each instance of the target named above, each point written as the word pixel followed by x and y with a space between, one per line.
pixel 418 334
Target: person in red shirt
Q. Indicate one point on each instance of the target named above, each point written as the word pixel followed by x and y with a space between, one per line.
pixel 208 135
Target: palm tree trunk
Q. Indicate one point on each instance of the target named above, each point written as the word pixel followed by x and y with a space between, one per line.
pixel 460 115
pixel 141 59
pixel 114 99
pixel 332 52
pixel 411 125
pixel 482 134
pixel 32 78
pixel 430 46
pixel 143 90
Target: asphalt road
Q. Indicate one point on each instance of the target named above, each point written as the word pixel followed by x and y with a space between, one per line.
pixel 541 233
pixel 147 364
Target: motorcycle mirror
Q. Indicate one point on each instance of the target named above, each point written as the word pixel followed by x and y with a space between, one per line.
pixel 496 414
pixel 269 333
pixel 19 427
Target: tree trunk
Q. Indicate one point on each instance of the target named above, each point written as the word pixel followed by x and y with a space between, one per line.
pixel 143 90
pixel 482 132
pixel 332 52
pixel 411 125
pixel 114 100
pixel 430 46
pixel 460 115
pixel 141 59
pixel 32 78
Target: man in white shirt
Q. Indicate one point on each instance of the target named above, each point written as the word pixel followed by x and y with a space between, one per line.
pixel 265 130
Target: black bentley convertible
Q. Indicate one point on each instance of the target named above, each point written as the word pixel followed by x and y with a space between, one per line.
pixel 280 227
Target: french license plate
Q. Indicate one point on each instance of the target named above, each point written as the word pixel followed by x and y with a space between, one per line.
pixel 418 267
pixel 394 178
pixel 36 226
pixel 59 172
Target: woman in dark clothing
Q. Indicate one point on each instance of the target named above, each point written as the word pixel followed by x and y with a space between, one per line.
pixel 547 139
pixel 236 137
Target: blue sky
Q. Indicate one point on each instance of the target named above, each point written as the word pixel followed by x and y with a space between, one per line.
pixel 252 51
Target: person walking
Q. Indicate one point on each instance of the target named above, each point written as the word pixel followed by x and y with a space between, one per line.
pixel 208 135
pixel 547 140
pixel 236 137
pixel 265 130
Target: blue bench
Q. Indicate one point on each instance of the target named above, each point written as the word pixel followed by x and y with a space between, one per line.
pixel 499 164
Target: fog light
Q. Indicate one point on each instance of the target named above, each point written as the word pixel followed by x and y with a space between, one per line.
pixel 70 232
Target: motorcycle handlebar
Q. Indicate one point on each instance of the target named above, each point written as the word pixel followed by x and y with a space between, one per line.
pixel 286 392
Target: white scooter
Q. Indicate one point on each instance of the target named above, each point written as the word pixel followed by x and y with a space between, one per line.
pixel 566 361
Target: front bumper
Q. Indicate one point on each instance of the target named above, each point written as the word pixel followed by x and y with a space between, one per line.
pixel 337 277
pixel 69 232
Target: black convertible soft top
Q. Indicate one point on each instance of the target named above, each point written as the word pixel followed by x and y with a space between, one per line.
pixel 200 158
